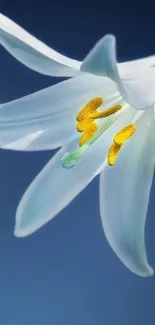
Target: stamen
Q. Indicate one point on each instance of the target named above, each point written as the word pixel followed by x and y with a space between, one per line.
pixel 70 159
pixel 113 152
pixel 91 129
pixel 124 134
pixel 88 134
pixel 84 125
pixel 106 113
pixel 89 108
pixel 119 140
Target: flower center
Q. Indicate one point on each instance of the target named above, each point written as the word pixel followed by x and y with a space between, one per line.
pixel 91 130
pixel 87 116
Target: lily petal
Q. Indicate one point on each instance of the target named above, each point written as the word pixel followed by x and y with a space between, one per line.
pixel 33 53
pixel 48 115
pixel 55 187
pixel 124 196
pixel 134 79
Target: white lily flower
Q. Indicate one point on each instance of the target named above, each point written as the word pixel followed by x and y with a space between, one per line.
pixel 112 105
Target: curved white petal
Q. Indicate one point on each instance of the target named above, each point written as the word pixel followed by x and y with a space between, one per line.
pixel 48 115
pixel 33 53
pixel 55 187
pixel 134 68
pixel 124 196
pixel 135 79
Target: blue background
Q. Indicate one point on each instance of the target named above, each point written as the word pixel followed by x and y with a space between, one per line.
pixel 66 273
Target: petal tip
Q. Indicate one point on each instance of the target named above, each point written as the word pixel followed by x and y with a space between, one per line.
pixel 19 233
pixel 101 60
pixel 148 272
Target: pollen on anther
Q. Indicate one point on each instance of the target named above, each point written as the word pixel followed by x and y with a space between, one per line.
pixel 88 134
pixel 110 111
pixel 124 134
pixel 84 125
pixel 113 152
pixel 89 108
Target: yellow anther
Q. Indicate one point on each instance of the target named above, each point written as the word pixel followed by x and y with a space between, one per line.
pixel 119 140
pixel 88 134
pixel 113 152
pixel 84 125
pixel 106 113
pixel 89 108
pixel 124 134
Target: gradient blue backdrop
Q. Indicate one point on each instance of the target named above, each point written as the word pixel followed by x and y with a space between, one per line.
pixel 66 273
